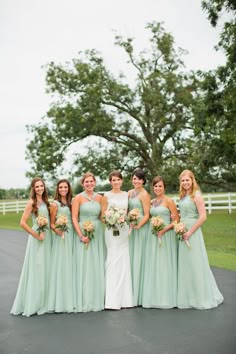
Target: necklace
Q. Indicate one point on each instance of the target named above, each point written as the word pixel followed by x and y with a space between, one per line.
pixel 63 204
pixel 90 199
pixel 156 202
pixel 134 194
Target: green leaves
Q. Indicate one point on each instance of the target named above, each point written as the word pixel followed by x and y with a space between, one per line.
pixel 98 122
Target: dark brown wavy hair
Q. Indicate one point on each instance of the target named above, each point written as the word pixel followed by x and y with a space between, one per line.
pixel 34 198
pixel 69 195
pixel 140 174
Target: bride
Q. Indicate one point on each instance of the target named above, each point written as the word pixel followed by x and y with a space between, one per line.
pixel 118 292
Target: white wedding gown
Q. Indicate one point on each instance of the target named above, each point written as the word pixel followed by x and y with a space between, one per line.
pixel 118 273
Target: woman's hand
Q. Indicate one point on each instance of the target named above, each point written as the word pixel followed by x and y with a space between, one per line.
pixel 160 233
pixel 186 235
pixel 84 239
pixel 41 236
pixel 58 232
pixel 136 227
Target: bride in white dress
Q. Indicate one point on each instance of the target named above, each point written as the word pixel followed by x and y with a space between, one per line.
pixel 118 291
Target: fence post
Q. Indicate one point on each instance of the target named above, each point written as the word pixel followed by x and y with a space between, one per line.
pixel 230 203
pixel 4 210
pixel 209 203
pixel 17 207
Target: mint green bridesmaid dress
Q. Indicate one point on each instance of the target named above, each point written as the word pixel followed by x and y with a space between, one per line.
pixel 32 293
pixel 197 287
pixel 61 278
pixel 160 271
pixel 137 245
pixel 89 263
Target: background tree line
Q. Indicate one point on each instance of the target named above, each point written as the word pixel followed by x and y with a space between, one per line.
pixel 169 119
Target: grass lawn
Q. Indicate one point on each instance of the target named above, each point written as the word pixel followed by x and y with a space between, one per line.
pixel 219 234
pixel 220 238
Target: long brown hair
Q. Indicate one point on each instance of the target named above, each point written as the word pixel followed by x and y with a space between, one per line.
pixel 34 198
pixel 195 186
pixel 57 195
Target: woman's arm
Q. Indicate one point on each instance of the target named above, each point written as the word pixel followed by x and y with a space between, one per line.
pixel 53 215
pixel 146 202
pixel 104 205
pixel 23 223
pixel 75 214
pixel 174 216
pixel 200 204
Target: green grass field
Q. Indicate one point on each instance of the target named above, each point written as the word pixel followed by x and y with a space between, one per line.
pixel 219 234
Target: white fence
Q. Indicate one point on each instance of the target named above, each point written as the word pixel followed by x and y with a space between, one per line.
pixel 15 206
pixel 226 201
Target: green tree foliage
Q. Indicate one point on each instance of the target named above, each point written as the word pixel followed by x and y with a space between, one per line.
pixel 110 125
pixel 101 123
pixel 215 113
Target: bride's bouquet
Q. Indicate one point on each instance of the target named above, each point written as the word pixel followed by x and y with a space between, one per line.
pixel 42 223
pixel 180 229
pixel 113 218
pixel 157 224
pixel 133 218
pixel 62 224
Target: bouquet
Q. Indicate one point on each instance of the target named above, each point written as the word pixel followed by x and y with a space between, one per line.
pixel 62 224
pixel 113 218
pixel 133 218
pixel 180 229
pixel 157 224
pixel 42 223
pixel 88 227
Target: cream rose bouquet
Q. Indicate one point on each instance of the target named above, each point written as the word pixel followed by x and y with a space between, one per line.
pixel 113 218
pixel 88 227
pixel 42 223
pixel 180 229
pixel 133 218
pixel 62 224
pixel 157 224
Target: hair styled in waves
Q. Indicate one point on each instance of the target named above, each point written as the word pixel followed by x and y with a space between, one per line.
pixel 34 198
pixel 195 186
pixel 57 195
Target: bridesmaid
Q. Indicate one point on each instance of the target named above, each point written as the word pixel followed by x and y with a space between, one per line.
pixel 89 255
pixel 138 198
pixel 197 287
pixel 32 293
pixel 61 284
pixel 118 274
pixel 160 272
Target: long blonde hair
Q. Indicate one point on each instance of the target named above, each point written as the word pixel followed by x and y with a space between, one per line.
pixel 195 186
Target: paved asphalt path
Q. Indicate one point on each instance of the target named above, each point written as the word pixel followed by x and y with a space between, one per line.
pixel 129 331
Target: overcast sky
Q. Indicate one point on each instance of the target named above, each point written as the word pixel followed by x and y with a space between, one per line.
pixel 33 33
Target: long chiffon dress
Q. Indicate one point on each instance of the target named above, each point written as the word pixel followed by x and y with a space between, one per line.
pixel 160 271
pixel 32 293
pixel 137 245
pixel 61 278
pixel 117 268
pixel 197 287
pixel 89 262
